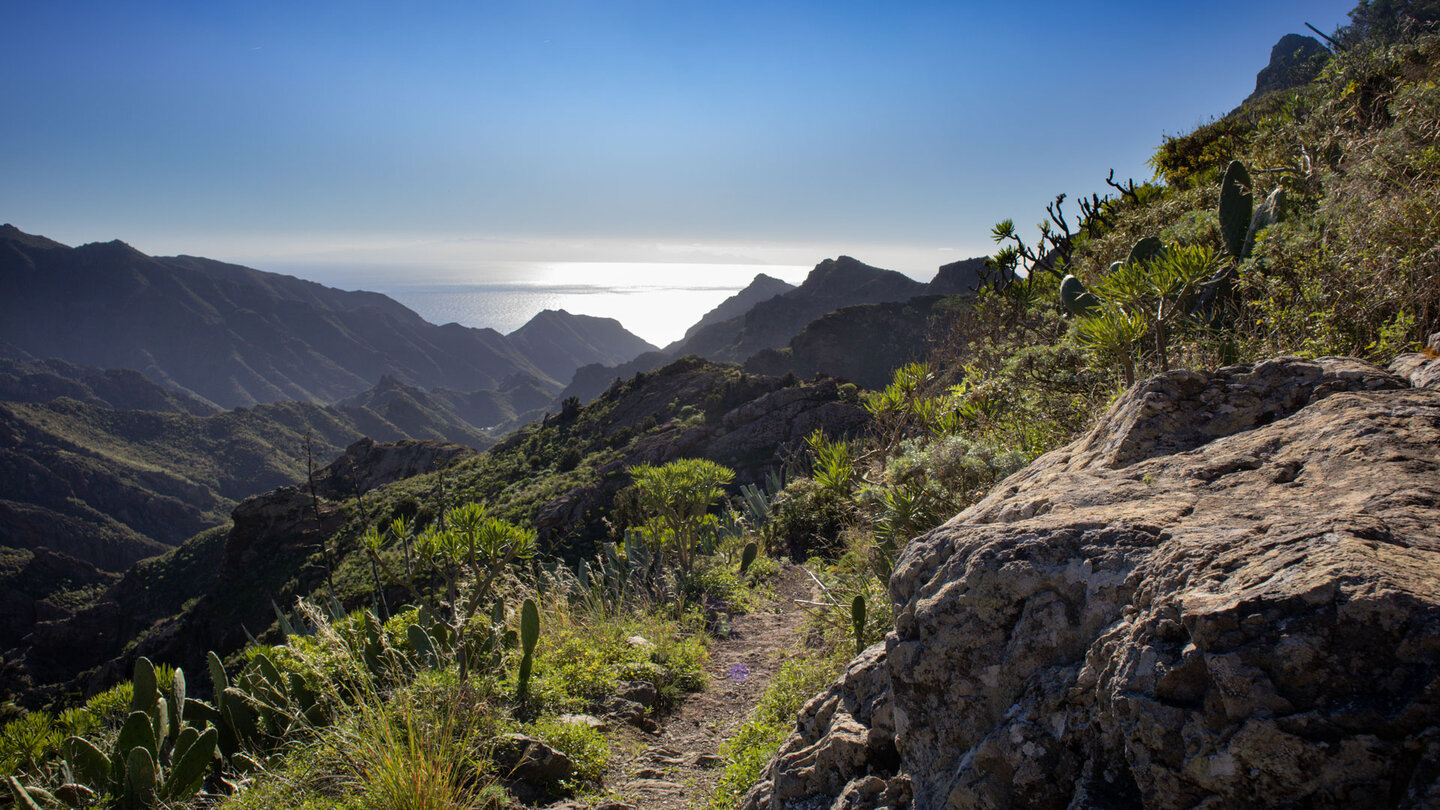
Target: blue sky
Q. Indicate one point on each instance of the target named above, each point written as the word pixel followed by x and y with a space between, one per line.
pixel 412 133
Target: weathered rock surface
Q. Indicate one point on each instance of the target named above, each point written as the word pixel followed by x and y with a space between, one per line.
pixel 1422 369
pixel 1226 595
pixel 529 767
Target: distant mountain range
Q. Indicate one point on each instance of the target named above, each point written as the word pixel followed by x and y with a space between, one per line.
pixel 142 398
pixel 761 288
pixel 772 320
pixel 232 335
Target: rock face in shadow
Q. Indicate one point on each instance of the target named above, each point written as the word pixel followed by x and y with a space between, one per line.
pixel 863 344
pixel 228 334
pixel 1294 61
pixel 1227 595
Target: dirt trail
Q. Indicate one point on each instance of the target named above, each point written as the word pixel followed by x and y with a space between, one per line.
pixel 678 766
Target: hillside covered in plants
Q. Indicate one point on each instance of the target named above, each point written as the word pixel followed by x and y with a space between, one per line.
pixel 420 625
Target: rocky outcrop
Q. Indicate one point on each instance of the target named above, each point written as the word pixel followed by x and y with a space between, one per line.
pixel 1226 595
pixel 368 464
pixel 1294 61
pixel 1421 368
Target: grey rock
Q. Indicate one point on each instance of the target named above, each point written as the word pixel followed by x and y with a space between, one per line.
pixel 587 720
pixel 529 767
pixel 625 711
pixel 1422 369
pixel 641 692
pixel 1294 61
pixel 1227 595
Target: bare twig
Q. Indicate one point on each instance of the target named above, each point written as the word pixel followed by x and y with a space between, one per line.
pixel 1127 190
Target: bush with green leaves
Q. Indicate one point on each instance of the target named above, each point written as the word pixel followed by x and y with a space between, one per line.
pixel 677 497
pixel 807 517
pixel 1153 299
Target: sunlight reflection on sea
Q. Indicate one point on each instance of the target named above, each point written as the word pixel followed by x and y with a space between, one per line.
pixel 658 302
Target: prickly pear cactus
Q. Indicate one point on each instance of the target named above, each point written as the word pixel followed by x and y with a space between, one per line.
pixel 747 557
pixel 1236 204
pixel 529 634
pixel 1075 298
pixel 857 618
pixel 1145 250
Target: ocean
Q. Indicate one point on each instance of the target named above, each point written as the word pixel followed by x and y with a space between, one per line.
pixel 656 301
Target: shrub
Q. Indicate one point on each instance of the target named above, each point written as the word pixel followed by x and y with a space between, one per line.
pixel 586 747
pixel 805 517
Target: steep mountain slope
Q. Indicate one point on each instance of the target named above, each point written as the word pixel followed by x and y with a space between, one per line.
pixel 959 278
pixel 109 486
pixel 230 334
pixel 558 342
pixel 863 344
pixel 561 475
pixel 115 388
pixel 763 331
pixel 834 283
pixel 761 288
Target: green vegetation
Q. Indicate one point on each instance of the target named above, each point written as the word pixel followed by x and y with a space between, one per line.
pixel 747 753
pixel 536 580
pixel 412 708
pixel 677 498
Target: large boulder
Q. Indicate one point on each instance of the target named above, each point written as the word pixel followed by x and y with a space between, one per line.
pixel 1421 368
pixel 1226 595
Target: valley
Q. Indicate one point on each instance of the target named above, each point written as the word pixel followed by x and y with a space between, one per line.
pixel 1138 511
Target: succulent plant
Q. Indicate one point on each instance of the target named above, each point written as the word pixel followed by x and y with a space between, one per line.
pixel 857 618
pixel 157 758
pixel 529 634
pixel 1236 204
pixel 747 557
pixel 423 645
pixel 1075 298
pixel 1145 250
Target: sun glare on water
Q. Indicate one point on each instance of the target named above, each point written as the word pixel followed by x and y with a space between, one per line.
pixel 657 301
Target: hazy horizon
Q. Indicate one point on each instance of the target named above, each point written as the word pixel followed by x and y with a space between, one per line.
pixel 419 137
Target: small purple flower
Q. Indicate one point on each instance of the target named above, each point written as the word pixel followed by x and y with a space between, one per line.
pixel 739 672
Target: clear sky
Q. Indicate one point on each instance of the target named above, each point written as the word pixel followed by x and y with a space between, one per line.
pixel 415 133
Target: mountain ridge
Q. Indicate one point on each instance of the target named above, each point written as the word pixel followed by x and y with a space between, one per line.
pixel 233 335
